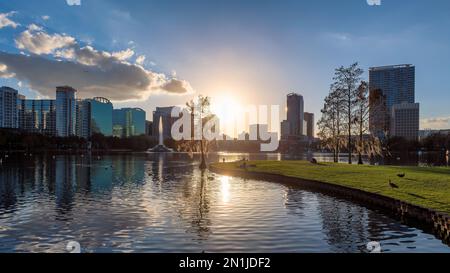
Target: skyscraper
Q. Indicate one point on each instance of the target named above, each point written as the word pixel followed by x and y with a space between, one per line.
pixel 96 117
pixel 37 116
pixel 397 82
pixel 66 114
pixel 391 85
pixel 8 108
pixel 83 119
pixel 285 129
pixel 309 118
pixel 295 114
pixel 405 120
pixel 128 122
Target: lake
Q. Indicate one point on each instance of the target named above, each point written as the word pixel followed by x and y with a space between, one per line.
pixel 164 203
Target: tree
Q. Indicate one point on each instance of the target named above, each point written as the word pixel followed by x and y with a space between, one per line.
pixel 346 80
pixel 330 123
pixel 379 119
pixel 200 110
pixel 362 118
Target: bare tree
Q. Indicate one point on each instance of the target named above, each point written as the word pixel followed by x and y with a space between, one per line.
pixel 330 123
pixel 346 81
pixel 200 111
pixel 379 122
pixel 362 118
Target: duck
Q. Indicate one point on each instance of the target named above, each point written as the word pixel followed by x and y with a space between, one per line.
pixel 392 185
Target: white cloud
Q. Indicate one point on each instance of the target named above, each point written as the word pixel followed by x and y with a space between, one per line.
pixel 45 17
pixel 140 60
pixel 73 2
pixel 124 54
pixel 176 86
pixel 435 123
pixel 116 80
pixel 92 72
pixel 4 72
pixel 5 20
pixel 36 41
pixel 34 27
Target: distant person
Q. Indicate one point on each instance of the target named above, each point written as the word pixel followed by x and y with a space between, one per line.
pixel 224 160
pixel 447 155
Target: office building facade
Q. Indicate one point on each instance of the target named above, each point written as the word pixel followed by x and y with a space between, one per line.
pixel 310 127
pixel 8 108
pixel 83 119
pixel 128 122
pixel 396 82
pixel 405 120
pixel 149 128
pixel 391 86
pixel 295 114
pixel 285 129
pixel 100 116
pixel 37 116
pixel 66 111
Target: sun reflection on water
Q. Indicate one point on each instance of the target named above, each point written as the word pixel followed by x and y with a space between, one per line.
pixel 225 188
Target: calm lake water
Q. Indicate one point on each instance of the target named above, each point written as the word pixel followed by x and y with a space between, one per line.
pixel 164 203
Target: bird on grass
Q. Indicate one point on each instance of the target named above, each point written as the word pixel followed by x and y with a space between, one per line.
pixel 394 186
pixel 401 175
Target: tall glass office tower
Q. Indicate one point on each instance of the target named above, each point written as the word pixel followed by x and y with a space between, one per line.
pixel 391 85
pixel 8 108
pixel 128 122
pixel 101 111
pixel 66 114
pixel 94 116
pixel 397 83
pixel 295 114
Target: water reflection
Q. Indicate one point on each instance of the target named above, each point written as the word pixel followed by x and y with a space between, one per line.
pixel 164 203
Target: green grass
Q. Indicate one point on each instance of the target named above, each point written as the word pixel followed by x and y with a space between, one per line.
pixel 428 187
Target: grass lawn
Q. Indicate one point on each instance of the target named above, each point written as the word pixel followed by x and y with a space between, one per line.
pixel 428 187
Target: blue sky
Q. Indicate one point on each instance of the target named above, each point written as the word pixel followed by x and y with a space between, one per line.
pixel 252 51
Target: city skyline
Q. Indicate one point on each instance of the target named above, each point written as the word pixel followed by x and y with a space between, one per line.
pixel 227 69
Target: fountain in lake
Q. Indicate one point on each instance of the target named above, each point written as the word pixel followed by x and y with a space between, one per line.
pixel 160 148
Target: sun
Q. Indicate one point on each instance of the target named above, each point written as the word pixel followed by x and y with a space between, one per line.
pixel 228 110
pixel 225 107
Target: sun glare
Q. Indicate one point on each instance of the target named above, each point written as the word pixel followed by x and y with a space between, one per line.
pixel 228 111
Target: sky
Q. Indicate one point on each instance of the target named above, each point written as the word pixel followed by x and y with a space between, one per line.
pixel 162 53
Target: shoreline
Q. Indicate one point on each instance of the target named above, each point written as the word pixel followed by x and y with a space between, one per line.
pixel 439 222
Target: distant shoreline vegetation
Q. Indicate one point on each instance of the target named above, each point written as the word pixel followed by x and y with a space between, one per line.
pixel 17 140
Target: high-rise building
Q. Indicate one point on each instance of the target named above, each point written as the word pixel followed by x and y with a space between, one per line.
pixel 149 128
pixel 8 108
pixel 405 120
pixel 66 114
pixel 285 129
pixel 128 122
pixel 389 86
pixel 397 83
pixel 295 114
pixel 392 85
pixel 37 116
pixel 310 129
pixel 101 116
pixel 83 119
pixel 94 116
